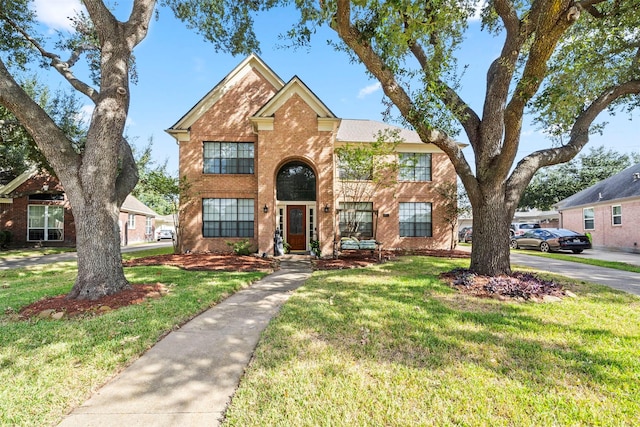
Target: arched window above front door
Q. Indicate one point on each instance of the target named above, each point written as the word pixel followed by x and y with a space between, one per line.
pixel 296 182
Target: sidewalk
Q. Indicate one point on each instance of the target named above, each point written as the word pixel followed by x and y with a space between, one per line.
pixel 188 378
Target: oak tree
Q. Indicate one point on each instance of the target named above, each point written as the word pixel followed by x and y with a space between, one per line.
pixel 565 61
pixel 99 175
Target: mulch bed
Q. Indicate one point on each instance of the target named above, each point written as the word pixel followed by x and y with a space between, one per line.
pixel 518 286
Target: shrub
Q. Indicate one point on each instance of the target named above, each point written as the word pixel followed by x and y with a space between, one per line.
pixel 243 247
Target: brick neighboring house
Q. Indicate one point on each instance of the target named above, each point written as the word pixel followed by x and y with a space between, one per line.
pixel 608 210
pixel 35 210
pixel 258 154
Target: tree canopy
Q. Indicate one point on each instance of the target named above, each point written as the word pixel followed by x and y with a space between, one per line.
pixel 555 183
pixel 563 61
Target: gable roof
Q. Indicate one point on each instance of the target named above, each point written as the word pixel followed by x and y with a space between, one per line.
pixel 251 62
pixel 132 205
pixel 623 185
pixel 295 86
pixel 11 186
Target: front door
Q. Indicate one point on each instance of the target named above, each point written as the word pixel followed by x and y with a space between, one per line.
pixel 296 237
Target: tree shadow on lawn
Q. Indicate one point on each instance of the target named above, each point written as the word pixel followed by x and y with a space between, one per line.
pixel 424 324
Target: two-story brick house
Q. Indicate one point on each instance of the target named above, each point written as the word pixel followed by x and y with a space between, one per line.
pixel 258 156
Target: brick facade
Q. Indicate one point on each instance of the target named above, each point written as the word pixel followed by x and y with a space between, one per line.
pixel 624 236
pixel 286 123
pixel 33 189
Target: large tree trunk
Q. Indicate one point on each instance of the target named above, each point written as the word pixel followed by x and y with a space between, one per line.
pixel 100 269
pixel 490 253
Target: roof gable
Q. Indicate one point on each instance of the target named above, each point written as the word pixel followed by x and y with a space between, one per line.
pixel 295 86
pixel 623 185
pixel 17 182
pixel 252 62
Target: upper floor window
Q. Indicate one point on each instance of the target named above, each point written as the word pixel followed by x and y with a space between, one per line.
pixel 415 166
pixel 228 157
pixel 415 219
pixel 589 217
pixel 354 166
pixel 616 215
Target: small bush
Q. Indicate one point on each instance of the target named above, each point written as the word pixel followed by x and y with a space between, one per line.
pixel 243 247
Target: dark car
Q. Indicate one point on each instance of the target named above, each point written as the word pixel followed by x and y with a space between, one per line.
pixel 551 239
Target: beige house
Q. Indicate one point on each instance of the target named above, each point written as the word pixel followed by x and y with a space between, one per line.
pixel 258 153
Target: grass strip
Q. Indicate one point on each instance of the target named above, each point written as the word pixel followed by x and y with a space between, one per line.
pixel 392 345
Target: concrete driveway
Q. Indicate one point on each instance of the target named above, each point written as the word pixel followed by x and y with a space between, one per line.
pixel 70 256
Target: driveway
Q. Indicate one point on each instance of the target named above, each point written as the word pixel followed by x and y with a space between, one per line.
pixel 70 256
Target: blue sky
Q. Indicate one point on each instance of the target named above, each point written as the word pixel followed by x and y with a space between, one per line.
pixel 176 68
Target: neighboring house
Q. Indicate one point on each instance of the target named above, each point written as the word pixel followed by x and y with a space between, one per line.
pixel 258 154
pixel 35 210
pixel 608 210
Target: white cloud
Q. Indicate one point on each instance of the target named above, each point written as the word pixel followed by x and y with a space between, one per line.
pixel 55 13
pixel 369 90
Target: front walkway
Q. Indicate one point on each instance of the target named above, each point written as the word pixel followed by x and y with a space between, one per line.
pixel 189 377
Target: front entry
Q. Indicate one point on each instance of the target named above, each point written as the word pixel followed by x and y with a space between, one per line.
pixel 296 237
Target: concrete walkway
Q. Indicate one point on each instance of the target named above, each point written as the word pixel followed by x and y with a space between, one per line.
pixel 188 378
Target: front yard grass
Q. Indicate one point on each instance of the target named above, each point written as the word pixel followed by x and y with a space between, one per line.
pixel 391 345
pixel 47 367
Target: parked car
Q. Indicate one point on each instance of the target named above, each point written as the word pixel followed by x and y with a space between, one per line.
pixel 462 232
pixel 165 234
pixel 519 228
pixel 468 235
pixel 551 239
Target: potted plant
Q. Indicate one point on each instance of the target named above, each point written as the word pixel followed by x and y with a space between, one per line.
pixel 315 248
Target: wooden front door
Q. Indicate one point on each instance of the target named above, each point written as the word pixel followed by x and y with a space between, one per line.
pixel 296 237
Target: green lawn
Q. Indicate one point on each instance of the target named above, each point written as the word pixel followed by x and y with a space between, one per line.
pixel 47 367
pixel 391 345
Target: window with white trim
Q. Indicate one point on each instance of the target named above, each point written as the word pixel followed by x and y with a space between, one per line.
pixel 415 219
pixel 228 157
pixel 45 223
pixel 616 215
pixel 148 227
pixel 589 217
pixel 131 221
pixel 227 217
pixel 415 166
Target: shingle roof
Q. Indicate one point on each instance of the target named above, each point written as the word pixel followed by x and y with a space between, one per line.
pixel 367 131
pixel 133 205
pixel 623 185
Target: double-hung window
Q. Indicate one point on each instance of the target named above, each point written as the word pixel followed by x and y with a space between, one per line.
pixel 616 215
pixel 415 166
pixel 415 219
pixel 45 223
pixel 228 157
pixel 131 222
pixel 227 217
pixel 356 219
pixel 589 217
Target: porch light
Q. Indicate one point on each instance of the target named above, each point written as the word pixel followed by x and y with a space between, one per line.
pixel 326 208
pixel 265 209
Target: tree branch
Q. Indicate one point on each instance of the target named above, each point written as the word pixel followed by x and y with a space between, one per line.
pixel 64 68
pixel 355 40
pixel 578 138
pixel 53 143
pixel 460 109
